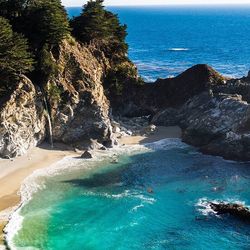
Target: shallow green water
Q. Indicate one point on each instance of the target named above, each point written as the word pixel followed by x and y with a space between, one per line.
pixel 111 208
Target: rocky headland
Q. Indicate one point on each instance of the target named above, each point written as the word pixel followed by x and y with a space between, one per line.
pixel 77 109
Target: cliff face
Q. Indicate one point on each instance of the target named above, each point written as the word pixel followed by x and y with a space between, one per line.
pixel 150 98
pixel 22 120
pixel 79 107
pixel 217 123
pixel 75 103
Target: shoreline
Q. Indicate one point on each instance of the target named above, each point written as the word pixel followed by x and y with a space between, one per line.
pixel 14 172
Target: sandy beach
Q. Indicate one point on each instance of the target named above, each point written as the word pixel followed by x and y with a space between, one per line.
pixel 13 172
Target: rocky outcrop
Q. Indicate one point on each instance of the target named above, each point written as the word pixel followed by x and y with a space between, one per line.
pixel 72 107
pixel 218 125
pixel 148 99
pixel 22 120
pixel 237 210
pixel 79 107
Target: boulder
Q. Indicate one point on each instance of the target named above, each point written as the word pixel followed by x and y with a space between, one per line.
pixel 86 155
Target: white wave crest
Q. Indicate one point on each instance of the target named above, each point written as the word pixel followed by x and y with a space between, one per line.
pixel 169 143
pixel 135 208
pixel 178 49
pixel 126 194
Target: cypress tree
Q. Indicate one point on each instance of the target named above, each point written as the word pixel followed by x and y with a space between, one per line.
pixel 41 21
pixel 14 56
pixel 95 24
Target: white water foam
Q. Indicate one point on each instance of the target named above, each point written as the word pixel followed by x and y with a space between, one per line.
pixel 164 144
pixel 36 181
pixel 178 49
pixel 126 194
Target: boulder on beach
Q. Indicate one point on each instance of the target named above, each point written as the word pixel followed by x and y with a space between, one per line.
pixel 86 155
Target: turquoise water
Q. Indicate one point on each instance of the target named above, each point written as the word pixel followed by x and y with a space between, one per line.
pixel 215 35
pixel 110 207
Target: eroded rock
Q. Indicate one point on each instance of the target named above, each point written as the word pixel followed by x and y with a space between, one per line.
pixel 22 120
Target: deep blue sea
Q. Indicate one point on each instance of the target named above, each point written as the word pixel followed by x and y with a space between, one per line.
pixel 164 41
pixel 156 196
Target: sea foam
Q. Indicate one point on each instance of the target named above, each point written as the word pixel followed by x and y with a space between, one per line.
pixel 178 49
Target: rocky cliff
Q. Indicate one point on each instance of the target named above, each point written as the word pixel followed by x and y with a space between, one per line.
pixel 148 99
pixel 217 121
pixel 22 120
pixel 78 105
pixel 72 108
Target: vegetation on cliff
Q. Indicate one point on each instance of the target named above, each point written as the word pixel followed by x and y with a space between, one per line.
pixel 14 56
pixel 44 24
pixel 39 26
pixel 100 27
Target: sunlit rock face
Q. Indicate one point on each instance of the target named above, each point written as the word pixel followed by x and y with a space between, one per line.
pixel 79 107
pixel 22 120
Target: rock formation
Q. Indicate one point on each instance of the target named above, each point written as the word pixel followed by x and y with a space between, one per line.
pixel 22 120
pixel 236 210
pixel 79 108
pixel 148 99
pixel 74 109
pixel 75 102
pixel 216 123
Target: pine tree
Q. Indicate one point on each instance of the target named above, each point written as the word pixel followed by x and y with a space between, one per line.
pixel 95 24
pixel 41 21
pixel 14 56
pixel 49 23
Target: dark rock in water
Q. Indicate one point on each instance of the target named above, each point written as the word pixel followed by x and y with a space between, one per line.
pixel 236 210
pixel 248 75
pixel 86 155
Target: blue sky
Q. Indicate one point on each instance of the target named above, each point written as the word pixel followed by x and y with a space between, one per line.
pixel 156 2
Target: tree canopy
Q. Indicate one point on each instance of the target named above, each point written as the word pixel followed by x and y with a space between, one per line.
pixel 101 26
pixel 14 56
pixel 41 21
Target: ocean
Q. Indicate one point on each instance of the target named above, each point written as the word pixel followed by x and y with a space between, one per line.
pixel 156 196
pixel 165 41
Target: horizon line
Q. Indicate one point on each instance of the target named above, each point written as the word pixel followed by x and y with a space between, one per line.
pixel 175 4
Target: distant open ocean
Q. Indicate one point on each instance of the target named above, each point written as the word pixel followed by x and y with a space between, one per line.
pixel 164 41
